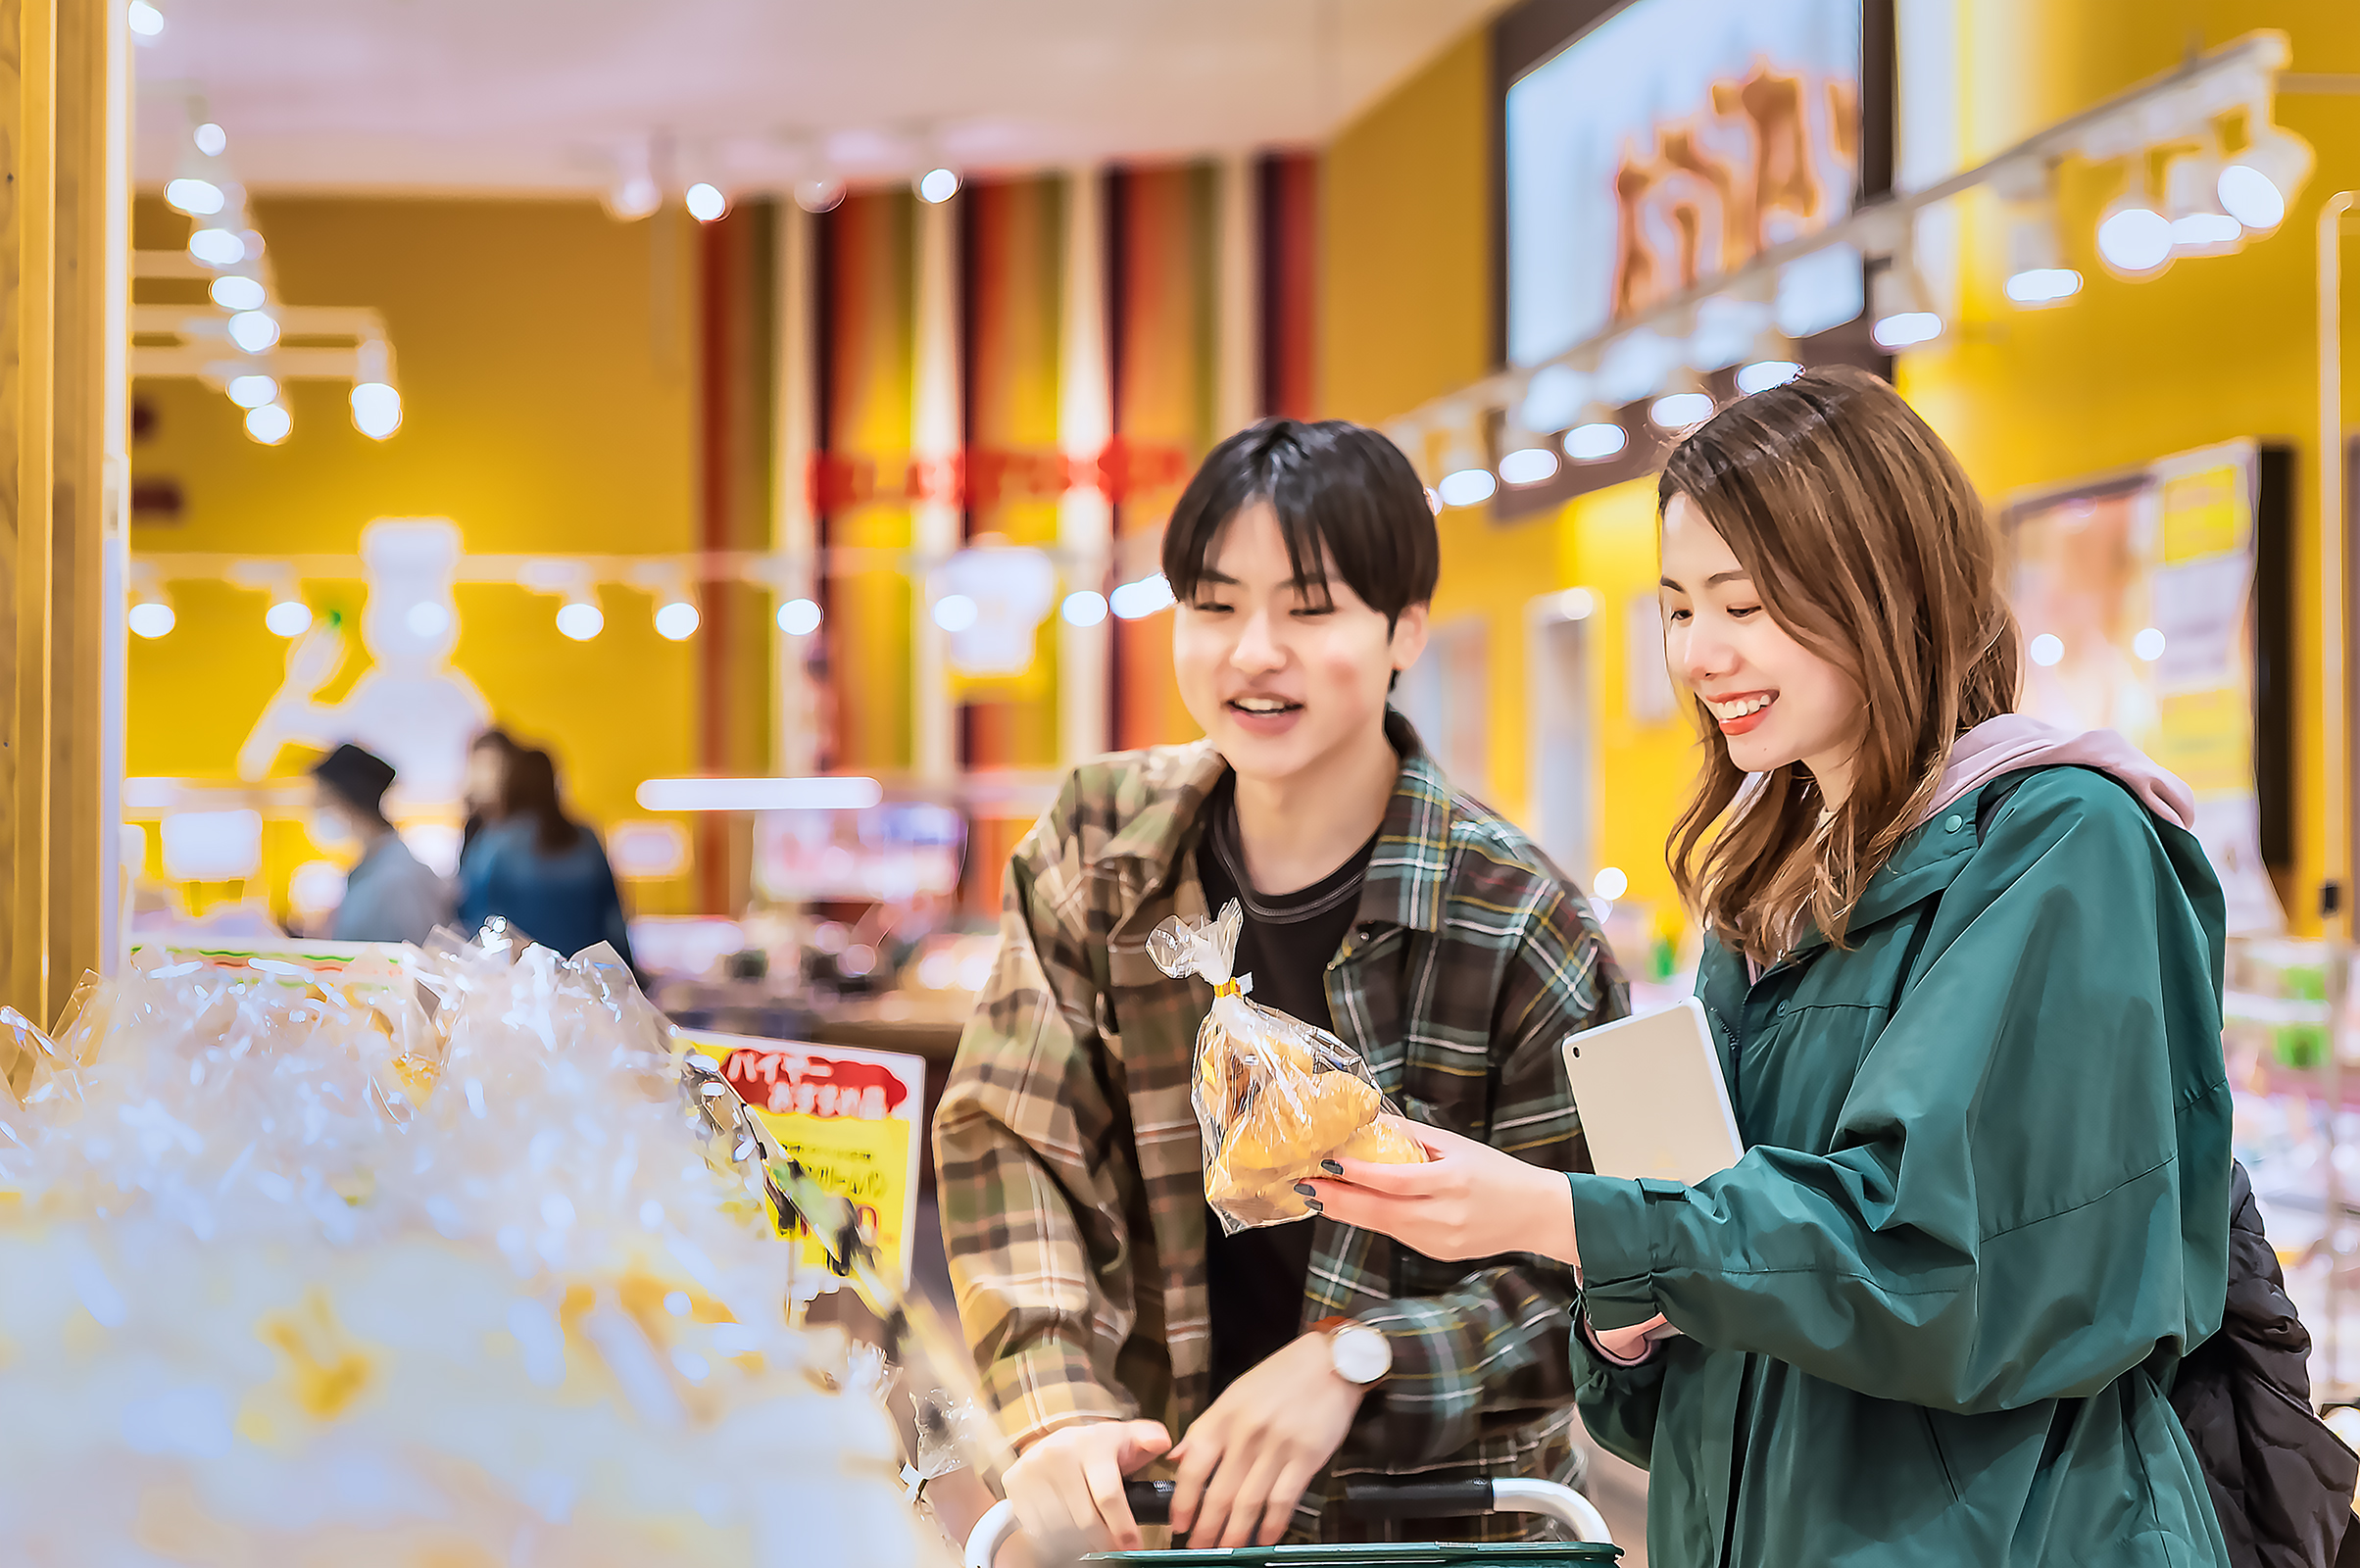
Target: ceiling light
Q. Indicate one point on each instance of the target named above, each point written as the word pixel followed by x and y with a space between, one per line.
pixel 1762 374
pixel 1577 603
pixel 289 617
pixel 1136 601
pixel 2201 225
pixel 254 330
pixel 2036 273
pixel 938 185
pixel 199 198
pixel 580 619
pixel 1085 607
pixel 705 202
pixel 1681 411
pixel 676 621
pixel 2148 645
pixel 1528 466
pixel 955 612
pixel 2257 186
pixel 2045 649
pixel 2043 286
pixel 823 195
pixel 1466 487
pixel 2133 238
pixel 151 618
pixel 216 247
pixel 144 18
pixel 233 292
pixel 270 424
pixel 376 410
pixel 799 618
pixel 211 140
pixel 826 793
pixel 1903 316
pixel 1598 438
pixel 1553 398
pixel 1609 883
pixel 253 391
pixel 635 196
pixel 427 619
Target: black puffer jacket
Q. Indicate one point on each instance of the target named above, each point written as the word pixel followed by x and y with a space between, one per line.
pixel 2281 1483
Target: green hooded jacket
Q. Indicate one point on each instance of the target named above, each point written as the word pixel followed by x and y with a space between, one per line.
pixel 1933 1315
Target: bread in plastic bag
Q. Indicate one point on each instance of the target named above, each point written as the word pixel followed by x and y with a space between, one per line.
pixel 1273 1094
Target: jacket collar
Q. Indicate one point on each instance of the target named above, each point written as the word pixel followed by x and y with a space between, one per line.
pixel 1407 871
pixel 1926 861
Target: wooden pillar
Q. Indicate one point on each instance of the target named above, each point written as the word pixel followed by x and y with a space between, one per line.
pixel 29 81
pixel 91 234
pixel 935 424
pixel 796 724
pixel 1085 422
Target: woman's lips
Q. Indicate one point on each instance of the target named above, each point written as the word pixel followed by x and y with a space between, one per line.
pixel 1744 722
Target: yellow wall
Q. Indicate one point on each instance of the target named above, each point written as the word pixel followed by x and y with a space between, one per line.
pixel 545 357
pixel 2129 372
pixel 1405 242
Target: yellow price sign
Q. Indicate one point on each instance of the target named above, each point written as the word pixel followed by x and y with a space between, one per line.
pixel 849 1116
pixel 2206 513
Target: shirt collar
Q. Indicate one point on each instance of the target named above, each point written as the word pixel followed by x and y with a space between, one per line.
pixel 1407 870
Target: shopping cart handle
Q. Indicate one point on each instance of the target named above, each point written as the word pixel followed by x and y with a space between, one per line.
pixel 1151 1501
pixel 1416 1499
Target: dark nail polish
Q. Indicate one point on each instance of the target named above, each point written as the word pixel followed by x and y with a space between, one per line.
pixel 1306 1189
pixel 1331 1167
pixel 1314 1206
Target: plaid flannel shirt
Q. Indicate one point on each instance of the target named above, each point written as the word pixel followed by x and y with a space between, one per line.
pixel 1070 1166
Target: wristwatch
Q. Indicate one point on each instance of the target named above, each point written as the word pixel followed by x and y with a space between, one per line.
pixel 1360 1354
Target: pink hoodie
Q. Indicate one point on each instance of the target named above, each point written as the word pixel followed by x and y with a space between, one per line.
pixel 2015 741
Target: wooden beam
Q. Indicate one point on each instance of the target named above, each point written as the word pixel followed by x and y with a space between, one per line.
pixel 27 264
pixel 84 235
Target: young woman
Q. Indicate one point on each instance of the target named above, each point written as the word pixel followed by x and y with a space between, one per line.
pixel 544 871
pixel 1965 972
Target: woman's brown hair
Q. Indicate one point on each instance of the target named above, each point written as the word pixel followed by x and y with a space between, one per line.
pixel 529 791
pixel 1869 547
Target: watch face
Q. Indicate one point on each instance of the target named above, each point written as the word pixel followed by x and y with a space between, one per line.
pixel 1360 1352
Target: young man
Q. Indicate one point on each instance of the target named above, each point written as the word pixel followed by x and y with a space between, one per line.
pixel 1109 1314
pixel 388 896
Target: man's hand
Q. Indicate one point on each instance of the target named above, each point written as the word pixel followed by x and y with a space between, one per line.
pixel 1067 1488
pixel 1243 1464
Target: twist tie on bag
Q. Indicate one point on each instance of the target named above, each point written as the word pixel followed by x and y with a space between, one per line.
pixel 1228 988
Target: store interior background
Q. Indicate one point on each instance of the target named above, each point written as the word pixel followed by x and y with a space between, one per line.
pixel 577 384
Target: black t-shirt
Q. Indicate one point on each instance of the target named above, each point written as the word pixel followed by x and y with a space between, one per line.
pixel 1255 1279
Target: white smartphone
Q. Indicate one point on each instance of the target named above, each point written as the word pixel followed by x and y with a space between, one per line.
pixel 1652 1096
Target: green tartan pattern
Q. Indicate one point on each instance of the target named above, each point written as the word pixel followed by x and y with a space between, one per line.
pixel 1070 1167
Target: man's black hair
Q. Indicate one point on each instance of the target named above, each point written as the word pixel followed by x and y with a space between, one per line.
pixel 1346 498
pixel 357 778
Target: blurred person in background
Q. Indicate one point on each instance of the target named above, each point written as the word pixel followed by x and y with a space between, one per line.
pixel 388 895
pixel 536 866
pixel 488 759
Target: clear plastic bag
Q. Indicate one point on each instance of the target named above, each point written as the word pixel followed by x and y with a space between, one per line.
pixel 1273 1094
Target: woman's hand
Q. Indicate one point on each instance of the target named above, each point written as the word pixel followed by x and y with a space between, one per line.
pixel 1471 1201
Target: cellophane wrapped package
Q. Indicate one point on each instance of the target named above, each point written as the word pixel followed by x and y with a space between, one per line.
pixel 401 1260
pixel 1274 1096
